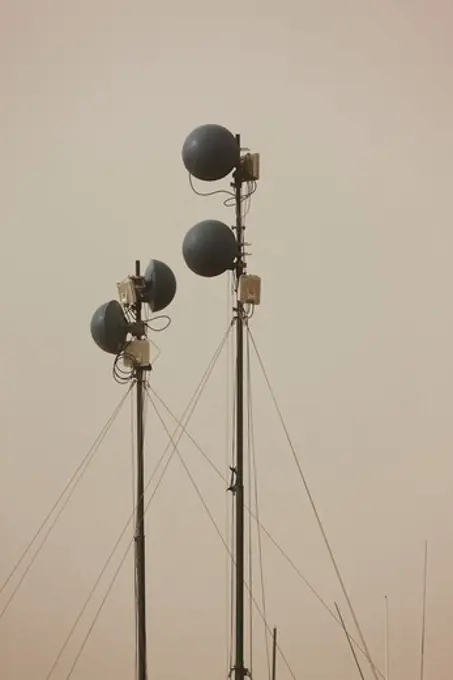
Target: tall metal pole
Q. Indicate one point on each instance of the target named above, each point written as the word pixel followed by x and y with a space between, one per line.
pixel 140 511
pixel 274 654
pixel 422 647
pixel 110 326
pixel 240 670
pixel 386 641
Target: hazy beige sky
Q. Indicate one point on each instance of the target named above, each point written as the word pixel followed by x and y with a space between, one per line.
pixel 350 104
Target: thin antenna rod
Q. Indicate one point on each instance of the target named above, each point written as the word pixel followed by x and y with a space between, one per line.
pixel 351 646
pixel 386 640
pixel 240 670
pixel 140 511
pixel 274 654
pixel 422 646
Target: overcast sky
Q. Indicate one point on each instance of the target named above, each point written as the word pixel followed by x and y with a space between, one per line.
pixel 350 105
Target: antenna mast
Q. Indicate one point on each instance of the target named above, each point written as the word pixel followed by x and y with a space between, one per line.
pixel 140 556
pixel 119 328
pixel 386 640
pixel 210 153
pixel 422 646
pixel 240 670
pixel 274 654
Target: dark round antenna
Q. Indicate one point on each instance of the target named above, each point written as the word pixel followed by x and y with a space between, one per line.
pixel 210 152
pixel 210 248
pixel 160 285
pixel 109 327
